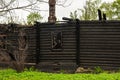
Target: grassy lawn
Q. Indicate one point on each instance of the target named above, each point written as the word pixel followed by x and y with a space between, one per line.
pixel 34 75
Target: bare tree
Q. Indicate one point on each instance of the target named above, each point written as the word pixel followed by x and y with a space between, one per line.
pixel 20 53
pixel 8 7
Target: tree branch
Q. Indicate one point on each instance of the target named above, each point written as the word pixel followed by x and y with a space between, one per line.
pixel 63 4
pixel 18 7
pixel 12 1
pixel 27 9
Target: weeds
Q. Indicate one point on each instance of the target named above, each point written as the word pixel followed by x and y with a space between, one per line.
pixel 30 69
pixel 98 70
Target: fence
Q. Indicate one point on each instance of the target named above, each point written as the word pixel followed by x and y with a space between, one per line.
pixel 74 43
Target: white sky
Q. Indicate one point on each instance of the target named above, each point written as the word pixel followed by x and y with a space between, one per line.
pixel 60 11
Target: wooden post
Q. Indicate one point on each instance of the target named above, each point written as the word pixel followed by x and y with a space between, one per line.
pixel 78 42
pixel 37 25
pixel 99 14
pixel 52 17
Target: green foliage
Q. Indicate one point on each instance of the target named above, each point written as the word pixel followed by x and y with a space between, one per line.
pixel 116 9
pixel 98 70
pixel 107 8
pixel 35 75
pixel 111 9
pixel 30 69
pixel 89 11
pixel 34 16
pixel 74 15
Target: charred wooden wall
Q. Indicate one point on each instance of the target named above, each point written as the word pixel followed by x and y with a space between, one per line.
pixel 99 43
pixel 96 43
pixel 67 52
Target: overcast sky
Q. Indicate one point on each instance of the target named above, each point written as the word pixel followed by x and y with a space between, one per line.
pixel 60 11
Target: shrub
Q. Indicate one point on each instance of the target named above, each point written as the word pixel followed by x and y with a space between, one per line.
pixel 98 70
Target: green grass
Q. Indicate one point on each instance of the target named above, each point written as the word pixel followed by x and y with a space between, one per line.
pixel 9 74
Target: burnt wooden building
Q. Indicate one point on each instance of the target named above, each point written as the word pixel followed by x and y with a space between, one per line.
pixel 71 44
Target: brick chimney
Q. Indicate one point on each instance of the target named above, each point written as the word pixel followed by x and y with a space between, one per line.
pixel 52 17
